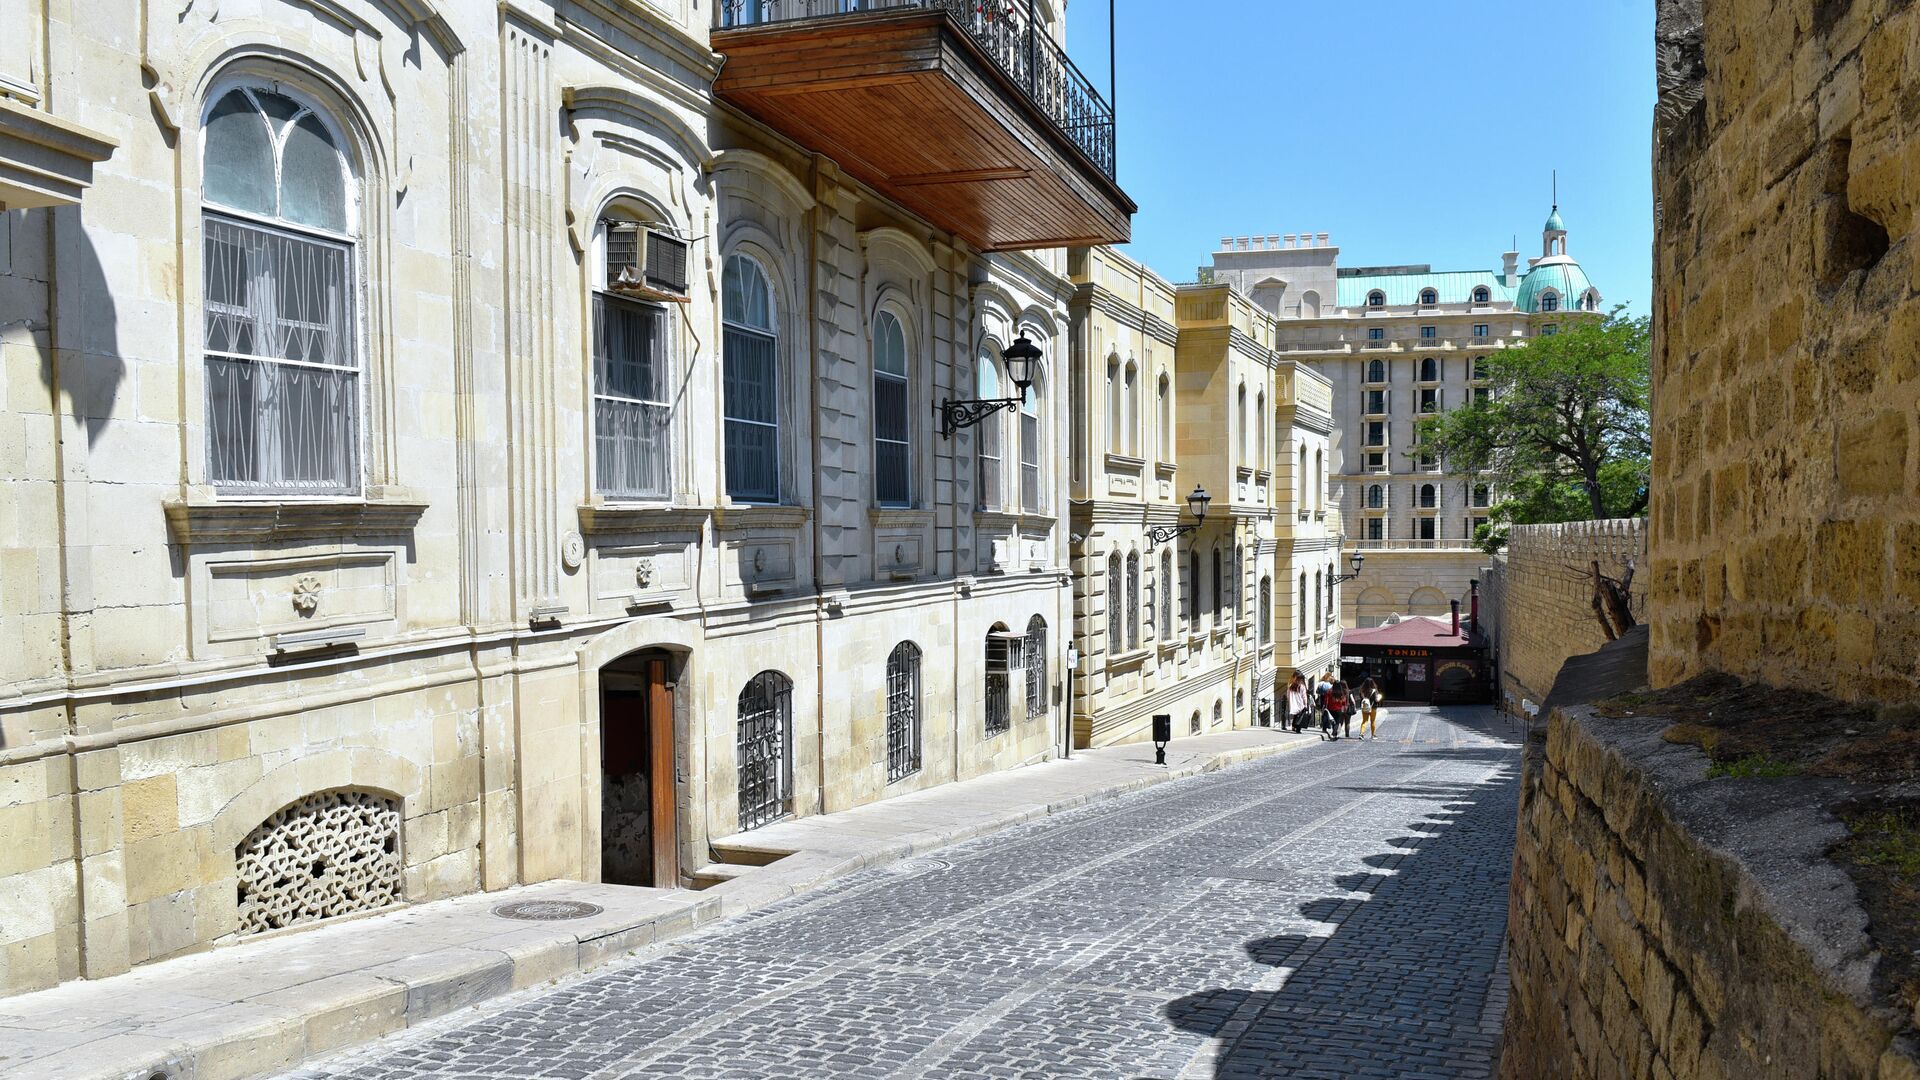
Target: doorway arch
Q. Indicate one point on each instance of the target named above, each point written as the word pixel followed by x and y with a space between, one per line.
pixel 635 710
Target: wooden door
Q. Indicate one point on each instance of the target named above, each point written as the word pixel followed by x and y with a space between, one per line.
pixel 666 832
pixel 637 820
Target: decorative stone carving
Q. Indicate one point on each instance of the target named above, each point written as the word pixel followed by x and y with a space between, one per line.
pixel 643 572
pixel 306 595
pixel 329 854
pixel 759 560
pixel 573 551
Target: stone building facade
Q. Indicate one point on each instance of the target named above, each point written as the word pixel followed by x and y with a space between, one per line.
pixel 1182 390
pixel 1397 343
pixel 1537 597
pixel 446 448
pixel 1786 488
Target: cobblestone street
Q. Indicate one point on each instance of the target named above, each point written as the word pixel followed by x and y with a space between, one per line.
pixel 1332 912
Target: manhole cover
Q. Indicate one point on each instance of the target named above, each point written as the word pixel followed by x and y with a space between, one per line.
pixel 547 910
pixel 915 866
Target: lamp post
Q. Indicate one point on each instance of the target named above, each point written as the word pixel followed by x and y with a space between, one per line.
pixel 1020 357
pixel 1196 505
pixel 1356 560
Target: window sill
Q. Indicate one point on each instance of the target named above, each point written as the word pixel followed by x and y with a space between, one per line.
pixel 1163 470
pixel 204 520
pixel 748 516
pixel 1028 522
pixel 1126 463
pixel 1127 661
pixel 893 517
pixel 640 517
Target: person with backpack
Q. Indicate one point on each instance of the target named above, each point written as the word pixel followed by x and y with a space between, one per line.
pixel 1299 703
pixel 1339 705
pixel 1369 698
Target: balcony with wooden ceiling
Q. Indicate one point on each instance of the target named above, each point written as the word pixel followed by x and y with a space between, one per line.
pixel 966 112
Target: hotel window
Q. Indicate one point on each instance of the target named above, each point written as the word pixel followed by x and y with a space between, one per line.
pixel 1479 367
pixel 1427 528
pixel 1377 370
pixel 892 446
pixel 1478 524
pixel 1480 494
pixel 1550 329
pixel 1550 302
pixel 1428 462
pixel 1430 400
pixel 1482 294
pixel 1430 370
pixel 1376 463
pixel 1480 329
pixel 1482 395
pixel 1376 433
pixel 1376 497
pixel 1219 587
pixel 1376 298
pixel 1428 333
pixel 1376 401
pixel 280 337
pixel 1429 297
pixel 1376 528
pixel 1376 333
pixel 1429 498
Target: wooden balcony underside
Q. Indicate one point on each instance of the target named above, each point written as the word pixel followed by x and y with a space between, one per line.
pixel 906 103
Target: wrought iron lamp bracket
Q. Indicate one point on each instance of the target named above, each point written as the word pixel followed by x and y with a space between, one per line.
pixel 1163 533
pixel 955 415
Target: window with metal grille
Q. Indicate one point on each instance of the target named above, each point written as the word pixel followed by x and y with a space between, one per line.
pixel 1035 648
pixel 280 340
pixel 765 749
pixel 1116 623
pixel 750 372
pixel 892 439
pixel 1319 599
pixel 631 416
pixel 1133 601
pixel 1165 588
pixel 1191 589
pixel 1002 658
pixel 1219 586
pixel 1236 585
pixel 903 711
pixel 987 441
pixel 1266 611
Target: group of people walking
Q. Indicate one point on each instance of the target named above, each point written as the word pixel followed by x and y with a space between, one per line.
pixel 1329 705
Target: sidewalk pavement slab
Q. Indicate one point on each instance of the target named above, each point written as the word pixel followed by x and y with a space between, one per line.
pixel 265 1005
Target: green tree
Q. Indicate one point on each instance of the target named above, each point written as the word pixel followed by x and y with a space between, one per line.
pixel 1564 433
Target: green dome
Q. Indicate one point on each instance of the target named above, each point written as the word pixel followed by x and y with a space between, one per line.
pixel 1554 224
pixel 1559 275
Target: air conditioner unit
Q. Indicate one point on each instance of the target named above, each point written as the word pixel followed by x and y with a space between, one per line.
pixel 645 261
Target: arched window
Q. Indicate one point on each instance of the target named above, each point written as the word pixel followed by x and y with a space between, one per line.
pixel 1429 370
pixel 1236 585
pixel 1376 298
pixel 1428 497
pixel 1376 371
pixel 1001 660
pixel 1303 482
pixel 765 745
pixel 1132 440
pixel 1032 491
pixel 1429 297
pixel 1193 724
pixel 1319 480
pixel 1219 711
pixel 1319 612
pixel 1035 649
pixel 1165 589
pixel 632 376
pixel 1191 586
pixel 1219 587
pixel 1376 497
pixel 1266 610
pixel 1303 604
pixel 903 711
pixel 1480 494
pixel 1309 305
pixel 1590 301
pixel 1166 418
pixel 751 382
pixel 1133 600
pixel 1260 430
pixel 279 241
pixel 1550 301
pixel 1116 608
pixel 988 440
pixel 1116 408
pixel 1330 586
pixel 892 430
pixel 1482 294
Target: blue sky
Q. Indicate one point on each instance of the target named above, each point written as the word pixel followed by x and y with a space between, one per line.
pixel 1411 132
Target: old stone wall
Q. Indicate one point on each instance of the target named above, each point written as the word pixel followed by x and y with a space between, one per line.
pixel 1545 597
pixel 1663 924
pixel 1786 489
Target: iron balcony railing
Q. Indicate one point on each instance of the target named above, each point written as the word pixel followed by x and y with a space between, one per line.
pixel 1005 30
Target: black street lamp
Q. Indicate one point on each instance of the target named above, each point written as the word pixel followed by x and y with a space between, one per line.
pixel 1356 560
pixel 1196 505
pixel 1020 357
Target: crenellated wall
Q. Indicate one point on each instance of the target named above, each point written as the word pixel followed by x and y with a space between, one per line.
pixel 1539 597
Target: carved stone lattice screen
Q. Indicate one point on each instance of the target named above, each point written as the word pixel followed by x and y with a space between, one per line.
pixel 334 853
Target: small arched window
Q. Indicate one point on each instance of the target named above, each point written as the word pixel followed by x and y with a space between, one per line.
pixel 1480 494
pixel 1116 608
pixel 1590 301
pixel 1191 587
pixel 1260 431
pixel 1240 420
pixel 903 711
pixel 1429 297
pixel 1376 371
pixel 1193 724
pixel 1319 480
pixel 1303 604
pixel 1482 294
pixel 1376 298
pixel 1032 490
pixel 1303 482
pixel 892 424
pixel 1319 611
pixel 1330 587
pixel 1166 418
pixel 1133 600
pixel 1376 497
pixel 1266 610
pixel 988 439
pixel 1550 301
pixel 1001 658
pixel 1219 586
pixel 1428 497
pixel 750 387
pixel 280 341
pixel 1035 648
pixel 1429 370
pixel 1131 439
pixel 765 749
pixel 1165 589
pixel 1116 408
pixel 1219 712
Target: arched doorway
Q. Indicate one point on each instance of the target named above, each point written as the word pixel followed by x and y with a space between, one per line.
pixel 638 829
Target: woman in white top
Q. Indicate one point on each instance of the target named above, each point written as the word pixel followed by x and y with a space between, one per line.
pixel 1299 702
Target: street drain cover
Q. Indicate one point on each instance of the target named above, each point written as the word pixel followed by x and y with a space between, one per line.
pixel 547 910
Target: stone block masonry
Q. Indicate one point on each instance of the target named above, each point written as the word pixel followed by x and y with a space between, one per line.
pixel 1543 593
pixel 1666 925
pixel 1786 405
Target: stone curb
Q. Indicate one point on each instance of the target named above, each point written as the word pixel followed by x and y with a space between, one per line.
pixel 280 1028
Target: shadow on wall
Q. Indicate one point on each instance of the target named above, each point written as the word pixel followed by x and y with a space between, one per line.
pixel 1411 980
pixel 85 327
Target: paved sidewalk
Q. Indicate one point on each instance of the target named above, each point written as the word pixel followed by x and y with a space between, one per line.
pixel 266 1005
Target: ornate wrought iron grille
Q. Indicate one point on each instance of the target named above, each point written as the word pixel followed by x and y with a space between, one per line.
pixel 999 661
pixel 765 746
pixel 1133 600
pixel 903 712
pixel 1011 36
pixel 1036 650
